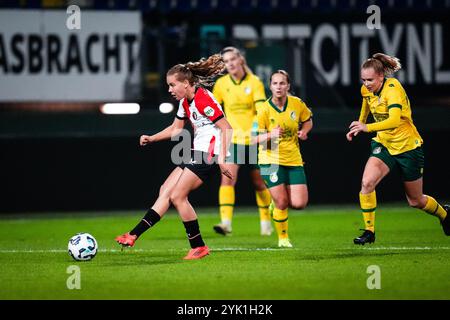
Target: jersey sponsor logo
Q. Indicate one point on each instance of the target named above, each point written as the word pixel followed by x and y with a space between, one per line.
pixel 391 85
pixel 293 115
pixel 203 124
pixel 380 116
pixel 194 115
pixel 248 90
pixel 209 111
pixel 377 150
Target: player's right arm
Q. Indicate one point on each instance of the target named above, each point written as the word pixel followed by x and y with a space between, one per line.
pixel 259 94
pixel 275 133
pixel 263 133
pixel 364 113
pixel 174 129
pixel 217 93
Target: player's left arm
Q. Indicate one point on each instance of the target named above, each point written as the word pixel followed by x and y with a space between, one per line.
pixel 226 132
pixel 394 104
pixel 210 108
pixel 391 122
pixel 259 94
pixel 306 122
pixel 306 128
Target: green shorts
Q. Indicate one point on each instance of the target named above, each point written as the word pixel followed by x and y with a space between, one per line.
pixel 274 175
pixel 410 163
pixel 244 155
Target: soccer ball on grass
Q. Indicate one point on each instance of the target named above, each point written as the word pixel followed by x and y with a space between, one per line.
pixel 82 246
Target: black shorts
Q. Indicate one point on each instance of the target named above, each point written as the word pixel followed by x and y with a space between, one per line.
pixel 201 164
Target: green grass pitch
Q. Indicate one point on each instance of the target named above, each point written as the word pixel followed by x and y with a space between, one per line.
pixel 411 251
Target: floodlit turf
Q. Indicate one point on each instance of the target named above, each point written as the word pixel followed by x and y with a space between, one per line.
pixel 411 251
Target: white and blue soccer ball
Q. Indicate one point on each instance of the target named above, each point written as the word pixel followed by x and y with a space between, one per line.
pixel 82 246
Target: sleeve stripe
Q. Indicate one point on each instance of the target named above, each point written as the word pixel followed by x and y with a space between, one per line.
pixel 218 118
pixel 181 118
pixel 260 100
pixel 395 106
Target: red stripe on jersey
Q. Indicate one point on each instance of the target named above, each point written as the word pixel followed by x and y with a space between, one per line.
pixel 186 108
pixel 207 104
pixel 212 144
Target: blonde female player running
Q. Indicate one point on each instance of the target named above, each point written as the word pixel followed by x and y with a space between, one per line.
pixel 396 145
pixel 241 93
pixel 280 160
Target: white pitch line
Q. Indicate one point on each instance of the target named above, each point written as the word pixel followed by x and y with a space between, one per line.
pixel 403 248
pixel 144 250
pixel 239 249
pixel 61 250
pixel 254 249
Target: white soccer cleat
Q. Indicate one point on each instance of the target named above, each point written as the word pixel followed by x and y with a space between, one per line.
pixel 284 243
pixel 266 228
pixel 222 229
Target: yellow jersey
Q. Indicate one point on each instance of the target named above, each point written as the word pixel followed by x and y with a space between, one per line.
pixel 404 136
pixel 239 101
pixel 285 151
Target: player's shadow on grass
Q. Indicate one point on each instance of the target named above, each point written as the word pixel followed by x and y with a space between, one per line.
pixel 349 255
pixel 148 259
pixel 361 253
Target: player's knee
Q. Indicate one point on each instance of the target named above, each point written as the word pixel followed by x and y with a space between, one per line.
pixel 176 197
pixel 299 205
pixel 368 185
pixel 414 203
pixel 281 203
pixel 164 192
pixel 225 182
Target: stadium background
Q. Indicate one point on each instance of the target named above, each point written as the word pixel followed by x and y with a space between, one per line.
pixel 61 153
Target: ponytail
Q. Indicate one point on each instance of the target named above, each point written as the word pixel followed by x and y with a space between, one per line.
pixel 201 73
pixel 383 64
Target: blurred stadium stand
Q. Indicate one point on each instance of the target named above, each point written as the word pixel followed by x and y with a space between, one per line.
pixel 228 6
pixel 54 150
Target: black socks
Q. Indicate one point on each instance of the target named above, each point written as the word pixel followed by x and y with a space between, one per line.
pixel 149 220
pixel 193 233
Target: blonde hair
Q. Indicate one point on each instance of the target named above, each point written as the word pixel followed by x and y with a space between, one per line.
pixel 383 64
pixel 238 53
pixel 201 73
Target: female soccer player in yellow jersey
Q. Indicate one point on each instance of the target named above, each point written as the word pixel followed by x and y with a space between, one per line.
pixel 396 145
pixel 283 120
pixel 240 93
